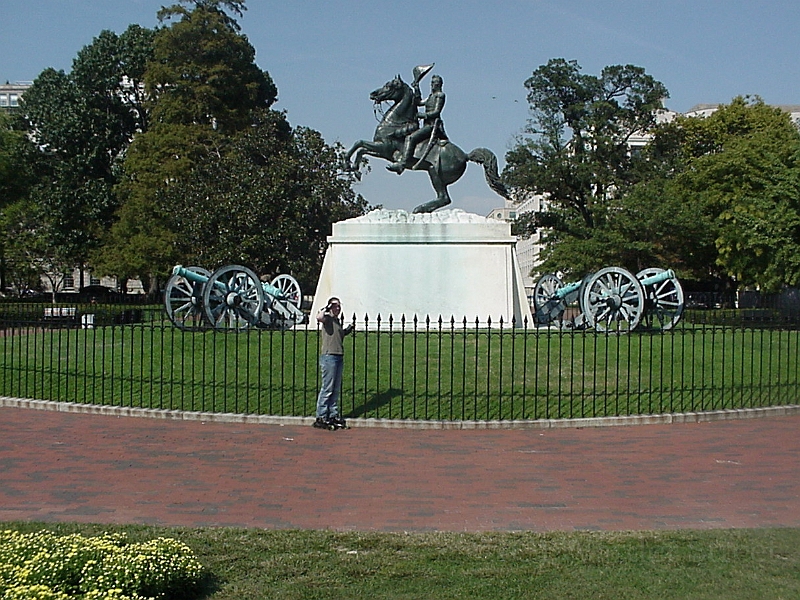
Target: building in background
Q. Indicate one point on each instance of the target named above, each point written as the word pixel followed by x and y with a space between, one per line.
pixel 704 110
pixel 11 94
pixel 527 249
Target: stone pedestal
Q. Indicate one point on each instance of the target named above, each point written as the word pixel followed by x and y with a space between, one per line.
pixel 447 263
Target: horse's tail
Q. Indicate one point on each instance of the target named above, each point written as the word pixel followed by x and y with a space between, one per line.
pixel 485 157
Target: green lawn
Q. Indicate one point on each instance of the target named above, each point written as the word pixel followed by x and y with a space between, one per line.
pixel 685 565
pixel 453 373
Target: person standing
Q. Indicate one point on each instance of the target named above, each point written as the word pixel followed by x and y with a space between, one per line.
pixel 331 362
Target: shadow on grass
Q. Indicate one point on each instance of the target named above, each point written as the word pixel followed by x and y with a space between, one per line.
pixel 205 588
pixel 373 405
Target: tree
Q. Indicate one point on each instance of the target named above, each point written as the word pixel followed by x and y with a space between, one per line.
pixel 204 70
pixel 142 240
pixel 220 177
pixel 268 202
pixel 30 252
pixel 15 180
pixel 202 87
pixel 741 165
pixel 576 153
pixel 14 176
pixel 82 124
pixel 655 225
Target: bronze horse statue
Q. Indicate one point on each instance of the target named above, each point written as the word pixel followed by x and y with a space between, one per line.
pixel 443 160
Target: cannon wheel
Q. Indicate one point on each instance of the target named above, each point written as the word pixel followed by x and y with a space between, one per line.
pixel 233 299
pixel 183 301
pixel 290 288
pixel 663 301
pixel 613 301
pixel 546 306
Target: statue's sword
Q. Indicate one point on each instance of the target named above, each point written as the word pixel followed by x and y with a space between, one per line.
pixel 429 147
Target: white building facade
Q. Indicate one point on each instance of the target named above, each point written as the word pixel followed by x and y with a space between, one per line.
pixel 11 94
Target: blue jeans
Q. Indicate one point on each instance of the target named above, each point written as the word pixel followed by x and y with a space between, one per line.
pixel 328 399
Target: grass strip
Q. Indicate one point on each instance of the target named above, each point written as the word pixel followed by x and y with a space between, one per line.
pixel 713 564
pixel 436 373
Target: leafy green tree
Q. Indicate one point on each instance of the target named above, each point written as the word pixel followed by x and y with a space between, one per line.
pixel 204 70
pixel 202 88
pixel 14 175
pixel 142 241
pixel 82 123
pixel 575 152
pixel 741 167
pixel 268 202
pixel 112 69
pixel 29 251
pixel 655 225
pixel 219 177
pixel 15 180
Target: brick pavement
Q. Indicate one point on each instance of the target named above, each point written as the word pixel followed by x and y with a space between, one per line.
pixel 57 466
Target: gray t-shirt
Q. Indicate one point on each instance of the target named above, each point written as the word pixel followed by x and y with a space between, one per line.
pixel 332 335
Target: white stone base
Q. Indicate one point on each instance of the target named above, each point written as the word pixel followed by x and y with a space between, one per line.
pixel 447 264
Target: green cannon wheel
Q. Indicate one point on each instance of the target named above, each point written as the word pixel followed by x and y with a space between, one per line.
pixel 613 301
pixel 547 305
pixel 183 301
pixel 290 288
pixel 663 301
pixel 233 299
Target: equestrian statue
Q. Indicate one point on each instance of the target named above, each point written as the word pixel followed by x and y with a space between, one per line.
pixel 401 140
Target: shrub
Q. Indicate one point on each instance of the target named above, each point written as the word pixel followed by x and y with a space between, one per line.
pixel 45 566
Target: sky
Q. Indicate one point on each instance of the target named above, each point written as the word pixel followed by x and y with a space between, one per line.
pixel 326 56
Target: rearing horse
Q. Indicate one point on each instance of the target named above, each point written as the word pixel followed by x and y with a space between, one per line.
pixel 444 161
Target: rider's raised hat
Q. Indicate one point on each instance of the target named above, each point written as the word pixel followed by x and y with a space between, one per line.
pixel 421 70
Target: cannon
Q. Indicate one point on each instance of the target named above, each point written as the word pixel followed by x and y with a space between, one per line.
pixel 551 297
pixel 231 299
pixel 613 300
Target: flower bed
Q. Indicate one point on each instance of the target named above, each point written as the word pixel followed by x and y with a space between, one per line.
pixel 46 566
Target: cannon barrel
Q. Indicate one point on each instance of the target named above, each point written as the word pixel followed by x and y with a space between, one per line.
pixel 658 278
pixel 567 289
pixel 271 290
pixel 180 271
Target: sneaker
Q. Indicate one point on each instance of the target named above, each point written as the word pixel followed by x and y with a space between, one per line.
pixel 321 423
pixel 338 423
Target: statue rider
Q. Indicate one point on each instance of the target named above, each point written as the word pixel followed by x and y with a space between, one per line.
pixel 432 128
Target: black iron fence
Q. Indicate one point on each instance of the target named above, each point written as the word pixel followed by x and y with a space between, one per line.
pixel 433 369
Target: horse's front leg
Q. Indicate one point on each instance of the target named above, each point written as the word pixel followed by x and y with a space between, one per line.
pixel 360 148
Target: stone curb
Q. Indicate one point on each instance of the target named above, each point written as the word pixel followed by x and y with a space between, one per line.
pixel 181 415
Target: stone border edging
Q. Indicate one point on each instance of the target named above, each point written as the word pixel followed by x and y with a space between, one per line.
pixel 180 415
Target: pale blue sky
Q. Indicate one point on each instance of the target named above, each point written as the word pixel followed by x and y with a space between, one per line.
pixel 326 56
